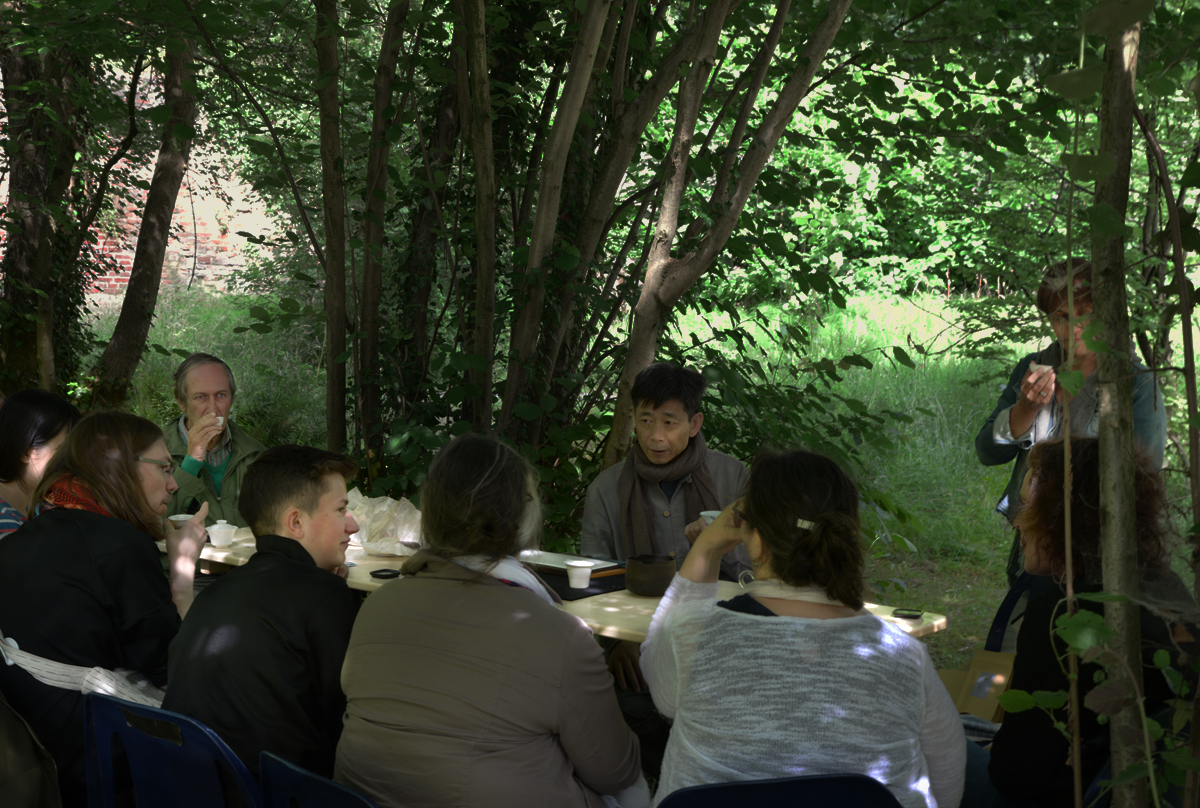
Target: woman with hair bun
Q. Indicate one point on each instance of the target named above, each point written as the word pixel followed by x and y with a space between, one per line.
pixel 793 677
pixel 33 424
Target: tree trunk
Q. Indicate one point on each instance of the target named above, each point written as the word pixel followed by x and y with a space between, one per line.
pixel 41 160
pixel 667 282
pixel 1115 390
pixel 333 196
pixel 124 351
pixel 480 129
pixel 373 231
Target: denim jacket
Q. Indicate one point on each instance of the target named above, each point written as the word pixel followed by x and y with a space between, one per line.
pixel 995 445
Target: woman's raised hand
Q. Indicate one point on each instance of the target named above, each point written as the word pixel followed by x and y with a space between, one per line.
pixel 1037 390
pixel 703 561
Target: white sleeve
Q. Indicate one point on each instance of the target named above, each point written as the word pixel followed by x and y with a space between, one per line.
pixel 1002 429
pixel 667 650
pixel 942 740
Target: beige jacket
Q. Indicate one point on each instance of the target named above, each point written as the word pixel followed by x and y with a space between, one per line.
pixel 463 691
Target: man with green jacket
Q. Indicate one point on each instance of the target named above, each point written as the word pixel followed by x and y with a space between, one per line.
pixel 210 451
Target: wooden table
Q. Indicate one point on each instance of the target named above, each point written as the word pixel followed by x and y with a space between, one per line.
pixel 625 616
pixel 621 615
pixel 221 559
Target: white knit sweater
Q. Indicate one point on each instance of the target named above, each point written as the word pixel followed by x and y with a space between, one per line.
pixel 756 697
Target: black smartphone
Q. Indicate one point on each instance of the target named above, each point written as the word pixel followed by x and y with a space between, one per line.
pixel 385 573
pixel 906 614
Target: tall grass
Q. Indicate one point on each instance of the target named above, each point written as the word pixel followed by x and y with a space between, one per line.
pixel 281 390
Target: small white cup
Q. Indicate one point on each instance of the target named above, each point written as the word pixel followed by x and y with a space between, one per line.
pixel 180 519
pixel 221 534
pixel 579 573
pixel 709 516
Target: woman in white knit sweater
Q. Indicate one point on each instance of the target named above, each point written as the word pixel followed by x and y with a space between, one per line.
pixel 793 677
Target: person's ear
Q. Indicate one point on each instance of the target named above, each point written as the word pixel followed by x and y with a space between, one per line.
pixel 697 421
pixel 293 523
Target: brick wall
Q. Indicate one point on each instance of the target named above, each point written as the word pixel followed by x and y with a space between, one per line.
pixel 205 247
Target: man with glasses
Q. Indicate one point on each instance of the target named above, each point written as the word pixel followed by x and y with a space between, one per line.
pixel 211 452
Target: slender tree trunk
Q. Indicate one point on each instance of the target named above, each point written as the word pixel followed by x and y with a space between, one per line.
pixel 579 75
pixel 1115 389
pixel 333 196
pixel 124 351
pixel 666 282
pixel 373 232
pixel 41 161
pixel 480 128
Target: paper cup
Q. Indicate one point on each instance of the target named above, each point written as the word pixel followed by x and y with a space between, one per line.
pixel 579 573
pixel 709 516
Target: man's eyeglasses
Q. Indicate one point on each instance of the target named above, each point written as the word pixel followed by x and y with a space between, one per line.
pixel 167 465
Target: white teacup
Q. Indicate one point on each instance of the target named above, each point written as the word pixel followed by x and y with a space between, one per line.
pixel 221 534
pixel 709 516
pixel 180 519
pixel 579 573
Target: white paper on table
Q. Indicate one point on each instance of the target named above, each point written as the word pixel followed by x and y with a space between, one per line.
pixel 384 524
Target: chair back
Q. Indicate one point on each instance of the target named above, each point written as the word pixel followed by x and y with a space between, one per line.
pixel 175 761
pixel 811 791
pixel 286 785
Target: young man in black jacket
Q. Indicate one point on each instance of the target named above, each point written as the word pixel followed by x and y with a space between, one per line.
pixel 259 657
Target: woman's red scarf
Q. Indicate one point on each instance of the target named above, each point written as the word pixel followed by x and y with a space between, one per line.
pixel 73 494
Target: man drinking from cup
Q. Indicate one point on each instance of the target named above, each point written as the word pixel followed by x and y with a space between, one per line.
pixel 210 451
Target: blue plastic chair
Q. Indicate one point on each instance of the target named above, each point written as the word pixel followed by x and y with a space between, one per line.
pixel 286 785
pixel 175 761
pixel 811 791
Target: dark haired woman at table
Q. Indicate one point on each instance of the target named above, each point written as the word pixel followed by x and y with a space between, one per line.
pixel 82 582
pixel 793 677
pixel 1028 762
pixel 465 684
pixel 33 424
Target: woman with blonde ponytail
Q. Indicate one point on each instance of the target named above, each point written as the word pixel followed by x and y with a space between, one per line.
pixel 793 677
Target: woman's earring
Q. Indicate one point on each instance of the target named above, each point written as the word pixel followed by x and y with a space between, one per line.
pixel 742 580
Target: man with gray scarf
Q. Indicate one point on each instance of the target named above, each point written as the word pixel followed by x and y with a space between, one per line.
pixel 650 503
pixel 1030 409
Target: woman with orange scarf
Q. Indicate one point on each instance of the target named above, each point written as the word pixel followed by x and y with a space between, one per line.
pixel 82 582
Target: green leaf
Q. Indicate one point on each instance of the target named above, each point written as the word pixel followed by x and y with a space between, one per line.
pixel 1093 342
pixel 1083 630
pixel 1180 759
pixel 1102 597
pixel 1077 84
pixel 1191 177
pixel 1016 701
pixel 183 131
pixel 1162 659
pixel 259 313
pixel 902 357
pixel 1131 774
pixel 1050 699
pixel 174 44
pixel 289 305
pixel 857 360
pixel 1089 167
pixel 1105 220
pixel 526 411
pixel 260 328
pixel 324 81
pixel 1115 16
pixel 1071 380
pixel 548 403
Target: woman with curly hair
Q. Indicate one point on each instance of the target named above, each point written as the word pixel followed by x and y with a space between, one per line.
pixel 793 677
pixel 1029 764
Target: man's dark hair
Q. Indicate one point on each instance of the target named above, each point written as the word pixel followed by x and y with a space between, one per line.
pixel 662 381
pixel 29 420
pixel 286 476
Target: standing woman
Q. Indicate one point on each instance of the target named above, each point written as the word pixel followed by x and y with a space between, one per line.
pixel 33 424
pixel 82 583
pixel 1030 409
pixel 793 677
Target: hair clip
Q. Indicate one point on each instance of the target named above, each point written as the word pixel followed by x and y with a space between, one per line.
pixel 804 523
